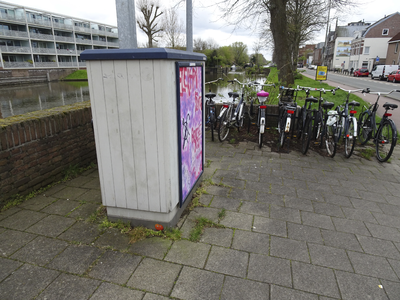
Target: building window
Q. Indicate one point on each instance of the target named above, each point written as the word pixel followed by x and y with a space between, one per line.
pixel 396 47
pixel 366 50
pixel 385 31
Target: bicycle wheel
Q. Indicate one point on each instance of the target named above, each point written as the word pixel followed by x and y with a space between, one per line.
pixel 212 122
pixel 329 138
pixel 349 138
pixel 223 129
pixel 364 128
pixel 300 123
pixel 282 133
pixel 250 114
pixel 241 116
pixel 385 141
pixel 260 137
pixel 306 135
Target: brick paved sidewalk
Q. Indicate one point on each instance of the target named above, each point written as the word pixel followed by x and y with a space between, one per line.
pixel 297 227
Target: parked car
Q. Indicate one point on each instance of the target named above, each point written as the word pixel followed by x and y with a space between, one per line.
pixel 361 72
pixel 382 71
pixel 394 76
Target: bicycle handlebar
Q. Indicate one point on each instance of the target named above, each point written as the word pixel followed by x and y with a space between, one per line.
pixel 383 93
pixel 218 79
pixel 353 91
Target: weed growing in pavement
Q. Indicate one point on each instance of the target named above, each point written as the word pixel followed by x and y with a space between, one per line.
pixel 222 214
pixel 198 229
pixel 123 227
pixel 208 163
pixel 140 233
pixel 98 214
pixel 367 153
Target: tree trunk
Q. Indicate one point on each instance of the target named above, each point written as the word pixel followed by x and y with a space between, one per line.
pixel 277 9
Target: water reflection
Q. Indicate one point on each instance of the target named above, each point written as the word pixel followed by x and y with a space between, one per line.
pixel 17 100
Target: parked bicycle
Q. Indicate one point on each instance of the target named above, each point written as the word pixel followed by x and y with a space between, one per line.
pixel 232 115
pixel 329 134
pixel 210 117
pixel 261 115
pixel 347 124
pixel 384 136
pixel 287 107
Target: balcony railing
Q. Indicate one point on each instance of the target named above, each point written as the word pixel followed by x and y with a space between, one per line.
pixel 14 49
pixel 64 38
pixel 14 33
pixel 113 44
pixel 96 42
pixel 37 21
pixel 46 64
pixel 68 64
pixel 82 63
pixel 42 36
pixel 96 31
pixel 82 29
pixel 66 51
pixel 17 64
pixel 112 34
pixel 4 16
pixel 83 41
pixel 43 50
pixel 63 26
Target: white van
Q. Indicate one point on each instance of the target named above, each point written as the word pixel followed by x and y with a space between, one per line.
pixel 382 71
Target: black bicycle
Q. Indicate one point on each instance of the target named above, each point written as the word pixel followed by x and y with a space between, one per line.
pixel 211 117
pixel 287 107
pixel 384 136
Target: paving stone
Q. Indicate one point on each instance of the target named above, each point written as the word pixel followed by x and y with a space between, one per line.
pixel 22 219
pixel 389 209
pixel 251 242
pixel 93 196
pixel 198 284
pixel 188 253
pixel 227 261
pixel 235 183
pixel 206 199
pixel 351 226
pixel 310 195
pixel 40 251
pixel 51 226
pixel 155 276
pixel 328 209
pixel 354 286
pixel 225 202
pixel 237 220
pixel 392 288
pixel 75 259
pixel 207 212
pixel 304 233
pixel 270 269
pixel 152 247
pixel 112 238
pixel 290 249
pixel 8 266
pixel 37 203
pixel 395 265
pixel 236 288
pixel 339 200
pixel 261 187
pixel 217 191
pixel 314 279
pixel 255 208
pixel 115 267
pixel 287 192
pixel 93 184
pixel 316 220
pixel 9 212
pixel 357 214
pixel 225 174
pixel 299 203
pixel 271 199
pixel 342 240
pixel 371 265
pixel 384 220
pixel 108 291
pixel 61 207
pixel 54 189
pixel 11 241
pixel 83 211
pixel 70 193
pixel 79 181
pixel 26 282
pixel 70 287
pixel 217 236
pixel 282 293
pixel 270 226
pixel 371 196
pixel 365 205
pixel 81 232
pixel 379 247
pixel 285 213
pixel 329 257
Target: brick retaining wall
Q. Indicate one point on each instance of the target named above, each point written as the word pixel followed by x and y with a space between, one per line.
pixel 36 148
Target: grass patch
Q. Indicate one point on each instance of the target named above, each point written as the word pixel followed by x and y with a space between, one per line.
pixel 123 227
pixel 140 233
pixel 222 214
pixel 367 153
pixel 198 230
pixel 79 74
pixel 208 163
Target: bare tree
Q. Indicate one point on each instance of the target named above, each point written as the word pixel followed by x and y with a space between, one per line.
pixel 173 29
pixel 150 10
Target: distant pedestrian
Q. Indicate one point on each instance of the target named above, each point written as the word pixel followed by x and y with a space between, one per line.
pixel 351 71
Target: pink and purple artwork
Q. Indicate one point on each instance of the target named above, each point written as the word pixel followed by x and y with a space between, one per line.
pixel 191 121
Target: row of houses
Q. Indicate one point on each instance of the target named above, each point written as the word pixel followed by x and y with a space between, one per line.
pixel 358 45
pixel 31 38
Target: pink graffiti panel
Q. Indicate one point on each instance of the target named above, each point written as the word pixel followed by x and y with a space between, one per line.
pixel 191 126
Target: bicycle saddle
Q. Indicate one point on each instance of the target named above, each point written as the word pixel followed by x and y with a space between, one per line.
pixel 232 94
pixel 389 105
pixel 211 95
pixel 354 103
pixel 262 94
pixel 312 99
pixel 328 105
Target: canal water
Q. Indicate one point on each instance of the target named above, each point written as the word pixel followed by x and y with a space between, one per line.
pixel 17 100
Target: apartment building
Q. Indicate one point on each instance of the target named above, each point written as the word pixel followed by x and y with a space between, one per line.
pixel 31 38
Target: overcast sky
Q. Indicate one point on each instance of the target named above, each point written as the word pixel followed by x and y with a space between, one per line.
pixel 207 23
